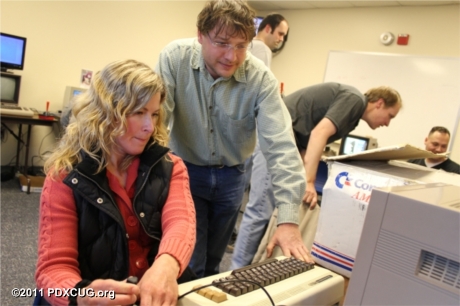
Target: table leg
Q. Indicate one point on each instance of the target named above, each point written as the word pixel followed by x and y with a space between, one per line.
pixel 18 148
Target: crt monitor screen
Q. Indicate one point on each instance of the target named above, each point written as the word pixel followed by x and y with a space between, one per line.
pixel 351 144
pixel 9 87
pixel 12 52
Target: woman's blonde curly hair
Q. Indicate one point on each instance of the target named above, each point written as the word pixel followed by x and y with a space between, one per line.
pixel 120 89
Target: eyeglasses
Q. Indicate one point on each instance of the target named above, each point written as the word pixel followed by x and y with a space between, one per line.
pixel 226 47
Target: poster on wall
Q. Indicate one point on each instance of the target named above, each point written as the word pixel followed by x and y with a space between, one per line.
pixel 85 78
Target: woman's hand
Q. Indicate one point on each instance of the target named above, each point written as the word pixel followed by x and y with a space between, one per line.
pixel 108 292
pixel 158 286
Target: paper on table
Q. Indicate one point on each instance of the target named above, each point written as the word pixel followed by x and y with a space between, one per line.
pixel 405 151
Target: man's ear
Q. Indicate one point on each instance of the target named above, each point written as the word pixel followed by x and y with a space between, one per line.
pixel 380 103
pixel 268 29
pixel 200 37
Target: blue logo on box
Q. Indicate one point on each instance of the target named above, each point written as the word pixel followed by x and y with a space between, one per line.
pixel 339 179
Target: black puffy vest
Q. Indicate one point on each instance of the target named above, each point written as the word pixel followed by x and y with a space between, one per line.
pixel 102 239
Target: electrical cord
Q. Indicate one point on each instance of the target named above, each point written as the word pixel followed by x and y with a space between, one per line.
pixel 40 155
pixel 230 281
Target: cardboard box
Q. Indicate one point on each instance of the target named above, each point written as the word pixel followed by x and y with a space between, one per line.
pixel 35 183
pixel 348 190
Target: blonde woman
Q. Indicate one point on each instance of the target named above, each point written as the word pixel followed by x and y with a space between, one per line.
pixel 116 203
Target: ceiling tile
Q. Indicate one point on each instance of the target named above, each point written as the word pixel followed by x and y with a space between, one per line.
pixel 374 3
pixel 265 5
pixel 330 4
pixel 423 3
pixel 295 5
pixel 269 5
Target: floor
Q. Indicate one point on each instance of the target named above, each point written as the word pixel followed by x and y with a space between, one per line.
pixel 19 225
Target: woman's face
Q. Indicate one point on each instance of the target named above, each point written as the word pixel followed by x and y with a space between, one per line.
pixel 141 125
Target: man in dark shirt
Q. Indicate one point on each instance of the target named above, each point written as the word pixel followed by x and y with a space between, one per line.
pixel 437 142
pixel 326 112
pixel 320 115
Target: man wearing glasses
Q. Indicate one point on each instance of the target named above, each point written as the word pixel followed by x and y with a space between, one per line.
pixel 218 94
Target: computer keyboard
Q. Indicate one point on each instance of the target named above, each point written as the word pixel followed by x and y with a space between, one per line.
pixel 264 274
pixel 8 106
pixel 15 110
pixel 287 281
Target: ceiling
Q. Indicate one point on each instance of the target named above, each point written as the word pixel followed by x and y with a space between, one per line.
pixel 269 5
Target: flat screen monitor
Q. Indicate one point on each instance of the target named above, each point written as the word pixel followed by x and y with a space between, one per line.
pixel 351 144
pixel 10 85
pixel 12 51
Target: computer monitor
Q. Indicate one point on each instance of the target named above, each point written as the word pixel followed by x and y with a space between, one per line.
pixel 10 85
pixel 12 52
pixel 352 144
pixel 70 93
pixel 69 96
pixel 257 21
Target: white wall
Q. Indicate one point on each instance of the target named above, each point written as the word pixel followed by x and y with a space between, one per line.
pixel 64 37
pixel 434 31
pixel 67 36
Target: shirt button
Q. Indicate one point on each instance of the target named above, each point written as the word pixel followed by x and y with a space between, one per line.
pixel 127 236
pixel 210 107
pixel 213 153
pixel 132 245
pixel 100 200
pixel 142 215
pixel 132 221
pixel 74 181
pixel 141 263
pixel 212 130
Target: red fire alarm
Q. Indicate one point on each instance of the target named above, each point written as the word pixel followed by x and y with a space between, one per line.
pixel 403 39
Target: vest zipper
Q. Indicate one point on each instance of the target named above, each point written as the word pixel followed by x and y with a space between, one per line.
pixel 139 191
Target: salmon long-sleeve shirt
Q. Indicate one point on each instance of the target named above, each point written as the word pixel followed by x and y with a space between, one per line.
pixel 57 265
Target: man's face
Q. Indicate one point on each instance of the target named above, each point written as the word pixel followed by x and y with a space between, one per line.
pixel 381 115
pixel 222 53
pixel 437 142
pixel 274 40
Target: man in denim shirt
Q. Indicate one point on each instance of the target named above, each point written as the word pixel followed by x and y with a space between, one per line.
pixel 218 94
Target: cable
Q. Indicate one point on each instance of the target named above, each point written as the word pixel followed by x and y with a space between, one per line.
pixel 40 155
pixel 230 281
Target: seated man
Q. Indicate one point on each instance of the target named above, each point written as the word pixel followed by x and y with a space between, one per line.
pixel 436 142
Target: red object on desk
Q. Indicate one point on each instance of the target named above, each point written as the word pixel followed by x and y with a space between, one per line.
pixel 43 117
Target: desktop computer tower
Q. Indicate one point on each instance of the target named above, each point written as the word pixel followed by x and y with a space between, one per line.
pixel 409 251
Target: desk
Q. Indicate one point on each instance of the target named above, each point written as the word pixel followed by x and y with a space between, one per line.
pixel 29 121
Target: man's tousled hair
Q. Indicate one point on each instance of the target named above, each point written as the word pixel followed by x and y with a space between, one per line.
pixel 235 17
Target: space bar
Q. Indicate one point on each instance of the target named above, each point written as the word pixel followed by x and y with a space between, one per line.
pixel 255 265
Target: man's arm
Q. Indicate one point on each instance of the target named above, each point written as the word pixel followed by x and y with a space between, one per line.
pixel 318 140
pixel 288 178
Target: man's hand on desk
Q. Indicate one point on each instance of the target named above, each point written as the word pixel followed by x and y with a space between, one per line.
pixel 287 237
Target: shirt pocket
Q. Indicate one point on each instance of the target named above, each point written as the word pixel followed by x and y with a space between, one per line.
pixel 238 131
